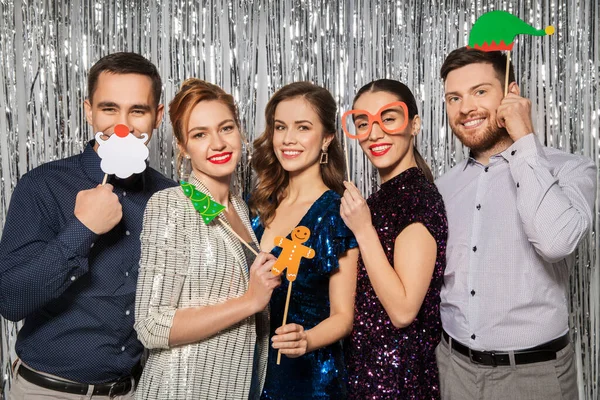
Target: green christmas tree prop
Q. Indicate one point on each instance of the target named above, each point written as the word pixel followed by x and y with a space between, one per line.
pixel 208 208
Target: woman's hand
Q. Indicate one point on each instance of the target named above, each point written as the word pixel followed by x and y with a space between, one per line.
pixel 354 209
pixel 262 281
pixel 291 340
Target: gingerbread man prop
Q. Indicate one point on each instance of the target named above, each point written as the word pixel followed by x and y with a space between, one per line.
pixel 290 258
pixel 292 252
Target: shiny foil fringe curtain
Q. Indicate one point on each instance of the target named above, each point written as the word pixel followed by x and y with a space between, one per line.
pixel 251 48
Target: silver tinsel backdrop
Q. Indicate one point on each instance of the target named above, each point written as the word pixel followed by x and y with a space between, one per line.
pixel 251 48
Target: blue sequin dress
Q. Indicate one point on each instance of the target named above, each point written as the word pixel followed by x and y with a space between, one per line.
pixel 320 374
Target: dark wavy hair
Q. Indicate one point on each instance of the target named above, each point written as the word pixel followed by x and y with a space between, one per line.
pixel 404 94
pixel 271 179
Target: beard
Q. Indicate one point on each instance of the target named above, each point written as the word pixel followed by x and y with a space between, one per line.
pixel 482 141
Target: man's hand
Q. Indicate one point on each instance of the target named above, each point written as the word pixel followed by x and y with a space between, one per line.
pixel 514 114
pixel 98 209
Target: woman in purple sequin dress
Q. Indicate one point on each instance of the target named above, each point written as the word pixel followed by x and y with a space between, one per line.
pixel 401 230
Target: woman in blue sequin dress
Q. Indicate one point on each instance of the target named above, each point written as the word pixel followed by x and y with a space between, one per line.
pixel 300 169
pixel 401 230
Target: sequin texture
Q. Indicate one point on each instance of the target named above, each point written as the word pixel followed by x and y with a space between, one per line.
pixel 319 374
pixel 385 362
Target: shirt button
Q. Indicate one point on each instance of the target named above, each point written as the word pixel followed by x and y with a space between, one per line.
pixel 124 193
pixel 472 293
pixel 473 336
pixel 73 278
pixel 517 184
pixel 486 169
pixel 123 347
pixel 92 245
pixel 126 273
pixel 474 248
pixel 512 153
pixel 479 206
pixel 127 233
pixel 127 312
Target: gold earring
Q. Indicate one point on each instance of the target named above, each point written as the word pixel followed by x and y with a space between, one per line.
pixel 324 156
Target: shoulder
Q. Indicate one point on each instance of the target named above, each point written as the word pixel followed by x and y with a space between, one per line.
pixel 167 198
pixel 448 180
pixel 158 181
pixel 561 159
pixel 44 175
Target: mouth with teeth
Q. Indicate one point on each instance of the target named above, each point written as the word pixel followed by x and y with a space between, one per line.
pixel 380 149
pixel 472 123
pixel 221 158
pixel 290 154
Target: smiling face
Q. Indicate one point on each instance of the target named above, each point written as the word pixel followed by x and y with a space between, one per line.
pixel 125 99
pixel 213 141
pixel 300 234
pixel 387 152
pixel 298 138
pixel 473 94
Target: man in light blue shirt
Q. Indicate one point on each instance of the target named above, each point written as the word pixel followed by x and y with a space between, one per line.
pixel 516 213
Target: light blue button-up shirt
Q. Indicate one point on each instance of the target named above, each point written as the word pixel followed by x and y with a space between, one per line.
pixel 513 226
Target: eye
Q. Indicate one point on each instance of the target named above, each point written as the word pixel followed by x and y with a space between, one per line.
pixel 480 92
pixel 452 99
pixel 279 127
pixel 109 110
pixel 227 128
pixel 199 135
pixel 362 125
pixel 304 128
pixel 388 120
pixel 138 112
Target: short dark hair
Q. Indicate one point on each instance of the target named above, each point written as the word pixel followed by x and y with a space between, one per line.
pixel 125 63
pixel 464 56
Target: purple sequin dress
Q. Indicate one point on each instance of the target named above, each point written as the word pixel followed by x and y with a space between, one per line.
pixel 385 362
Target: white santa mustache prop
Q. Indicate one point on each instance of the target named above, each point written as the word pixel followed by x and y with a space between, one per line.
pixel 123 154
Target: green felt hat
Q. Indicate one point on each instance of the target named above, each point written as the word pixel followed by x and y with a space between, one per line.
pixel 496 30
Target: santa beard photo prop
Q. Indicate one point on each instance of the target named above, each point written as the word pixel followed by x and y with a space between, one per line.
pixel 123 154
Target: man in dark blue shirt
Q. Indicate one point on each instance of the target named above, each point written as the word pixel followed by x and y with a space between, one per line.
pixel 70 250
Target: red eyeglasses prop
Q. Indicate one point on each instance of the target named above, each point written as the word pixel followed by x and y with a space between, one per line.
pixel 392 118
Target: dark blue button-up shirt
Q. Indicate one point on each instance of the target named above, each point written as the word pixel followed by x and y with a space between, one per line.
pixel 75 289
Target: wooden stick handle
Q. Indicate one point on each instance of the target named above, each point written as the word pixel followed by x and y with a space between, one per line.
pixel 285 312
pixel 346 154
pixel 506 76
pixel 237 236
pixel 104 180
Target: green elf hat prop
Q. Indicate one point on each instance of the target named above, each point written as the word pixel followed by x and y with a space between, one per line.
pixel 208 208
pixel 496 30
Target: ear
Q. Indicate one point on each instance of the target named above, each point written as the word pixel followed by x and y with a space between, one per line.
pixel 514 88
pixel 181 149
pixel 88 112
pixel 416 125
pixel 327 140
pixel 160 111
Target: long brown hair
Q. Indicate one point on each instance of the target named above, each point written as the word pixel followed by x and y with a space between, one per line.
pixel 192 92
pixel 404 94
pixel 272 179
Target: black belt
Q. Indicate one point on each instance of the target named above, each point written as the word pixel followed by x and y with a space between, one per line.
pixel 112 389
pixel 544 352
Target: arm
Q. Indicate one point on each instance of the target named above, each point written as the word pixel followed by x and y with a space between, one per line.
pixel 556 208
pixel 555 203
pixel 40 257
pixel 293 341
pixel 159 322
pixel 401 288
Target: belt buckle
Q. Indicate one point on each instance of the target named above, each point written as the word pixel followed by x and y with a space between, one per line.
pixel 483 356
pixel 115 386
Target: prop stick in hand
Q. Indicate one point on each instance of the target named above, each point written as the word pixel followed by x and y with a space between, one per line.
pixel 209 209
pixel 290 257
pixel 104 180
pixel 346 154
pixel 496 30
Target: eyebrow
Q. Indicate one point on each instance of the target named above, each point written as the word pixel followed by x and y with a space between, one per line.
pixel 204 128
pixel 470 89
pixel 302 121
pixel 112 104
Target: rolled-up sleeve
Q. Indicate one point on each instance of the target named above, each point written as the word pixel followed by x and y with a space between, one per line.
pixel 163 269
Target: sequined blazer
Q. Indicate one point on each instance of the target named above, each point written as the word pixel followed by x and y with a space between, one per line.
pixel 185 263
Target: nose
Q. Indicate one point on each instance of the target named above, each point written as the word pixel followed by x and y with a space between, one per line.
pixel 216 142
pixel 376 132
pixel 467 105
pixel 289 137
